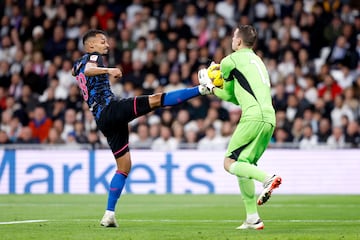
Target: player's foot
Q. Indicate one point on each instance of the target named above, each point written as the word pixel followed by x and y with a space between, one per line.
pixel 206 89
pixel 109 220
pixel 203 77
pixel 269 186
pixel 259 225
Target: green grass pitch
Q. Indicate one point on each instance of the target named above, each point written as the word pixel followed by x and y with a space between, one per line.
pixel 148 217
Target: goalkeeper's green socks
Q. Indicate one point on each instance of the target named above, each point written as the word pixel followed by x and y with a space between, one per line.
pixel 247 189
pixel 247 170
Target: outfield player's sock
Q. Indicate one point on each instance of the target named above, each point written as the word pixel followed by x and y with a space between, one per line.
pixel 247 189
pixel 247 170
pixel 178 96
pixel 116 186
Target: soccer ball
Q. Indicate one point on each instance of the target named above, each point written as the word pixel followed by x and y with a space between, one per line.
pixel 215 75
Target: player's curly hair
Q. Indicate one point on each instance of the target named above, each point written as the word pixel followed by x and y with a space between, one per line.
pixel 92 33
pixel 248 34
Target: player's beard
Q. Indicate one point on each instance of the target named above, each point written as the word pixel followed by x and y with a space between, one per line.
pixel 105 52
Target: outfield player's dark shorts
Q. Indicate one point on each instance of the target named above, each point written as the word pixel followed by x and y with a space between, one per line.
pixel 114 119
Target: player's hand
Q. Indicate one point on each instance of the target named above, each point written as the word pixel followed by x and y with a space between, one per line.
pixel 216 67
pixel 115 72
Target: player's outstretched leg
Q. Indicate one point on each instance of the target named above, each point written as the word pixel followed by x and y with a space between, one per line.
pixel 176 97
pixel 269 185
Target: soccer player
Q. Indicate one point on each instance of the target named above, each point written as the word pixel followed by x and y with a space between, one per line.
pixel 246 83
pixel 112 115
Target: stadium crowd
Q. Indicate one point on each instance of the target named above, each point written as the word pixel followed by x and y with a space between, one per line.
pixel 311 49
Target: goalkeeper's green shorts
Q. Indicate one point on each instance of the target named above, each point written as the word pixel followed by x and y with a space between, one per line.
pixel 249 141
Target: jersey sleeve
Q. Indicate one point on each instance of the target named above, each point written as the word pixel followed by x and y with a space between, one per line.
pixel 227 92
pixel 226 66
pixel 96 58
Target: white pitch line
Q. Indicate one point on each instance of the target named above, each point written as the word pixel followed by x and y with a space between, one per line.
pixel 213 221
pixel 187 221
pixel 24 221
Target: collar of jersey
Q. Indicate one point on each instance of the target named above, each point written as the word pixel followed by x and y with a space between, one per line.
pixel 90 53
pixel 245 50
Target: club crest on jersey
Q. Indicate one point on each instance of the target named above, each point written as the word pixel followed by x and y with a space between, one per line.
pixel 94 58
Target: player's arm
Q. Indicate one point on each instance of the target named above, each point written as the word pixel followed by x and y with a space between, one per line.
pixel 75 68
pixel 227 92
pixel 92 68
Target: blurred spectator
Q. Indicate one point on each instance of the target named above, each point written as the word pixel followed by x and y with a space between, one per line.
pixel 25 136
pixel 94 139
pixel 190 140
pixel 297 130
pixel 340 109
pixel 49 9
pixel 226 9
pixel 142 139
pixel 56 45
pixel 309 139
pixel 211 141
pixel 165 142
pixel 174 82
pixel 178 132
pixel 329 87
pixel 137 76
pixel 281 136
pixel 7 49
pixel 344 76
pixel 352 134
pixel 38 39
pixel 336 139
pixel 139 53
pixel 6 116
pixel 40 124
pixel 287 65
pixel 15 86
pixel 132 9
pixel 69 122
pixel 126 62
pixel 324 131
pixel 338 51
pixel 74 99
pixel 54 137
pixel 32 79
pixel 191 18
pixel 65 76
pixel 333 30
pixel 103 14
pixel 4 139
pixel 5 75
pixel 79 132
pixel 114 55
pixel 182 28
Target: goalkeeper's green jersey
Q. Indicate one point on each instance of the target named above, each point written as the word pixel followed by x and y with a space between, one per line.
pixel 247 84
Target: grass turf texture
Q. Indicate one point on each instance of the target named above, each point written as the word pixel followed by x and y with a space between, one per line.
pixel 179 217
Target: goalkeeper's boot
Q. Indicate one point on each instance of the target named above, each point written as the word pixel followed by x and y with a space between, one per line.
pixel 269 186
pixel 109 220
pixel 259 225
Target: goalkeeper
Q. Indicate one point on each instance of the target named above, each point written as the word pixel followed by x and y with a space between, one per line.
pixel 247 84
